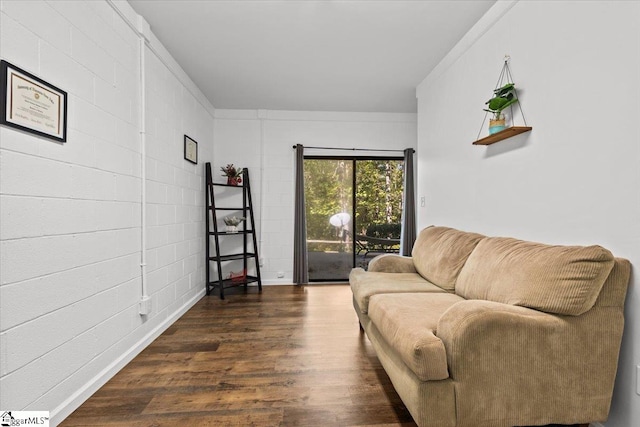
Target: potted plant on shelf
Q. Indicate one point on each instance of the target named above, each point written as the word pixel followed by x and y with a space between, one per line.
pixel 232 223
pixel 233 174
pixel 503 97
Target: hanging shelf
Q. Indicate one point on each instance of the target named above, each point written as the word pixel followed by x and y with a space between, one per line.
pixel 510 131
pixel 503 134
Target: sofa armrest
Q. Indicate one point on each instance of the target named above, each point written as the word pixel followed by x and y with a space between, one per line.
pixel 391 263
pixel 560 369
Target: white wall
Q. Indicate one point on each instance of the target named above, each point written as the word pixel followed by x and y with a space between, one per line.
pixel 575 179
pixel 262 140
pixel 70 232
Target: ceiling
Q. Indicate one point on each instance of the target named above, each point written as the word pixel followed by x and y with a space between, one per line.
pixel 331 55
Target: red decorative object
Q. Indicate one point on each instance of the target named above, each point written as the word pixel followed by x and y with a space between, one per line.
pixel 234 180
pixel 238 277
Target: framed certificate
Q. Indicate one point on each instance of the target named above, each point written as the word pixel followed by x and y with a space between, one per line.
pixel 31 104
pixel 190 150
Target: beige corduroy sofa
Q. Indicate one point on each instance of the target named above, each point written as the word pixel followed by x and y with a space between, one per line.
pixel 488 331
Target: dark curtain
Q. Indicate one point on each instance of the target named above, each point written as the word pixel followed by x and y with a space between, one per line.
pixel 408 231
pixel 300 261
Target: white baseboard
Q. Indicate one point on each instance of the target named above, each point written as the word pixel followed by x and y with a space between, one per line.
pixel 276 282
pixel 78 398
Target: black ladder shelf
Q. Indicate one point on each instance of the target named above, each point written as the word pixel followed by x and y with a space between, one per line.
pixel 246 230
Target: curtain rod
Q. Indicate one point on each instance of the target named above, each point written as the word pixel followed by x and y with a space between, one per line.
pixel 352 149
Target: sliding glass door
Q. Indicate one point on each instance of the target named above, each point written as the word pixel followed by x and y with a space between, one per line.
pixel 353 209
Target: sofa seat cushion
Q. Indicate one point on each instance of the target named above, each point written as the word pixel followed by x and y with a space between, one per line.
pixel 555 279
pixel 364 284
pixel 408 323
pixel 440 252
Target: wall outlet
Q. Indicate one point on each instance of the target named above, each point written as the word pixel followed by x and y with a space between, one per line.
pixel 261 262
pixel 280 274
pixel 422 201
pixel 638 379
pixel 145 306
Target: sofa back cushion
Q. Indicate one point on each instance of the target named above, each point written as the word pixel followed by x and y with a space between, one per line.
pixel 440 252
pixel 555 279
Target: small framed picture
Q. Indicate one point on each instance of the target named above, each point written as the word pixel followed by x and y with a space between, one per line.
pixel 31 104
pixel 190 150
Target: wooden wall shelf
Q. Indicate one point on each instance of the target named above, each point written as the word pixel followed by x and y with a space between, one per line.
pixel 503 134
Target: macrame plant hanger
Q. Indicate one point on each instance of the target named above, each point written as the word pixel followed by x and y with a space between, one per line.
pixel 505 78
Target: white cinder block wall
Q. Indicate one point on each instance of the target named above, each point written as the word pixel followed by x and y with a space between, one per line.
pixel 263 139
pixel 575 179
pixel 70 231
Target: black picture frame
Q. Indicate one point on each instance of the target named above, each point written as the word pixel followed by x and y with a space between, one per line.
pixel 31 104
pixel 190 150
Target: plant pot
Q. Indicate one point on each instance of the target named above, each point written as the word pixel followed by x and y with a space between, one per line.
pixel 232 228
pixel 233 180
pixel 496 126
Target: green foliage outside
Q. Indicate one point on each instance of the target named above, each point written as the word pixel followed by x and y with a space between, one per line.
pixel 378 192
pixel 328 191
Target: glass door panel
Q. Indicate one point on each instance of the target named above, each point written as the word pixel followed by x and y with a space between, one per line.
pixel 329 210
pixel 378 212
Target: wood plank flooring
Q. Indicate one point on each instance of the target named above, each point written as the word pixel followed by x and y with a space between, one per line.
pixel 291 356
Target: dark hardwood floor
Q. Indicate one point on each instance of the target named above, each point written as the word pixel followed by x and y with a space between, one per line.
pixel 291 356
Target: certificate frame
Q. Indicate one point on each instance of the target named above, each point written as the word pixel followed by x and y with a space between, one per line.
pixel 190 150
pixel 31 104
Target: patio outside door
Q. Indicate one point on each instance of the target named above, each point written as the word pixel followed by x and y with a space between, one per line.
pixel 353 209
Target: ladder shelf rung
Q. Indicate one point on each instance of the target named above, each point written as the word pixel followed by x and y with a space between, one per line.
pixel 232 257
pixel 229 283
pixel 221 184
pixel 230 233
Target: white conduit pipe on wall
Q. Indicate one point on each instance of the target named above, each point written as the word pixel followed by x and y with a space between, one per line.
pixel 145 301
pixel 142 29
pixel 262 117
